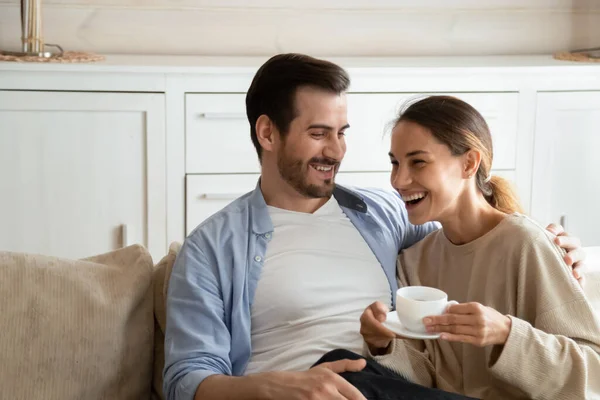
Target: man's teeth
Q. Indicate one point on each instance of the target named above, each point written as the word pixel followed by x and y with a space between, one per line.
pixel 414 196
pixel 321 168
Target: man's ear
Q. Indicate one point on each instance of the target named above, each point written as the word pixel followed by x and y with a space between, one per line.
pixel 472 159
pixel 266 133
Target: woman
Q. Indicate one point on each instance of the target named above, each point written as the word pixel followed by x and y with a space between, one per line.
pixel 523 327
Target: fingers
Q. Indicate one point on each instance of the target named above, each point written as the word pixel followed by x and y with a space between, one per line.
pixel 346 390
pixel 371 326
pixel 468 330
pixel 452 319
pixel 465 308
pixel 575 257
pixel 379 310
pixel 579 270
pixel 461 319
pixel 568 243
pixel 345 365
pixel 556 229
pixel 354 365
pixel 579 273
pixel 450 337
pixel 337 387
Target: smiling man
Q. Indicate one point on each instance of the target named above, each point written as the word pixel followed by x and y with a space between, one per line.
pixel 264 288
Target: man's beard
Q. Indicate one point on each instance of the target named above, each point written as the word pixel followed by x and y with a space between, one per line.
pixel 295 172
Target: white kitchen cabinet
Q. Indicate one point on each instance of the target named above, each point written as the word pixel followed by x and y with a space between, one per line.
pixel 136 141
pixel 566 170
pixel 81 173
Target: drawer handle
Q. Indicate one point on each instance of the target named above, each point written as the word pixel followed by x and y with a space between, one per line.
pixel 215 115
pixel 125 235
pixel 220 196
pixel 563 221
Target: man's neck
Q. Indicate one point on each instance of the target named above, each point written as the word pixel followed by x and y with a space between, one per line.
pixel 278 193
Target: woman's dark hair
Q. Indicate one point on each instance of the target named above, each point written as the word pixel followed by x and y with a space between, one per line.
pixel 461 127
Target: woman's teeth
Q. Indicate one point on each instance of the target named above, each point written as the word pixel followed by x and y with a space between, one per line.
pixel 414 196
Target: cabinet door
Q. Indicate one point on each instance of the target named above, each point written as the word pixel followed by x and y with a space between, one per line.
pixel 82 173
pixel 566 179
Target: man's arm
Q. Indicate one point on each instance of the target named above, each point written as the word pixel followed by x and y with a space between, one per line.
pixel 197 340
pixel 319 383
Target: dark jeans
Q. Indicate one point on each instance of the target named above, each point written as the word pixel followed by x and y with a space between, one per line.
pixel 376 382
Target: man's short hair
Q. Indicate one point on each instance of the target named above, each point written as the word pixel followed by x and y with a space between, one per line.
pixel 273 89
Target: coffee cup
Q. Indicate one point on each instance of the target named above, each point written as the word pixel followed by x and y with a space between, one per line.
pixel 413 303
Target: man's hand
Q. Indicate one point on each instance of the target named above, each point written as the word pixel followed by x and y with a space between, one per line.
pixel 318 383
pixel 471 323
pixel 575 256
pixel 377 337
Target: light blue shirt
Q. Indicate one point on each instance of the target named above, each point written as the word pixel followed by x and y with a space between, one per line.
pixel 214 280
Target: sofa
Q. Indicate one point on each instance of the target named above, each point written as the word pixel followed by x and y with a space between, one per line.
pixel 94 328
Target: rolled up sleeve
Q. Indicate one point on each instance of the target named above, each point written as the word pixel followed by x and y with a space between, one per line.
pixel 197 340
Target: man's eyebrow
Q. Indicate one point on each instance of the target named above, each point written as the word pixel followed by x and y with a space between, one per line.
pixel 327 127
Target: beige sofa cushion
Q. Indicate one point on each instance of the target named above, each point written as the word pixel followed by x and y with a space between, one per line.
pixel 76 329
pixel 162 273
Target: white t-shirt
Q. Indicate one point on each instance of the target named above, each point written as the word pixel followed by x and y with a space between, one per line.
pixel 318 277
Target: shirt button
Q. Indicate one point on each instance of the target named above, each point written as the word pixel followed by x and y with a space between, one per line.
pixel 268 236
pixel 257 259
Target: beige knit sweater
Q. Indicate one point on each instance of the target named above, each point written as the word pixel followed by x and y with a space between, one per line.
pixel 553 348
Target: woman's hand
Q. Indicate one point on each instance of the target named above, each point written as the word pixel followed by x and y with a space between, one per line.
pixel 377 337
pixel 471 323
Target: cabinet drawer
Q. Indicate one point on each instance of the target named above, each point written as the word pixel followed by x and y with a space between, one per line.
pixel 218 133
pixel 207 194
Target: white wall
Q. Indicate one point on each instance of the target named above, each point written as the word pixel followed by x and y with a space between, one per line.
pixel 334 28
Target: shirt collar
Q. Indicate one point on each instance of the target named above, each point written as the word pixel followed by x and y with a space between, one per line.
pixel 261 220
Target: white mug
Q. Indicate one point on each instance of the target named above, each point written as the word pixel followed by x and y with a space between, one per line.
pixel 413 303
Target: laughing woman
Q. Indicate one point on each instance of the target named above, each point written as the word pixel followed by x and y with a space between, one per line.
pixel 523 327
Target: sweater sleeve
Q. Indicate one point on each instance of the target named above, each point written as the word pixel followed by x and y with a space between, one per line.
pixel 557 354
pixel 410 359
pixel 415 361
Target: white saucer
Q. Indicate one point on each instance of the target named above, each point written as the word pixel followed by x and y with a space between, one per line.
pixel 394 325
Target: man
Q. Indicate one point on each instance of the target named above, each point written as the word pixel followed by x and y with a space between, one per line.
pixel 264 288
